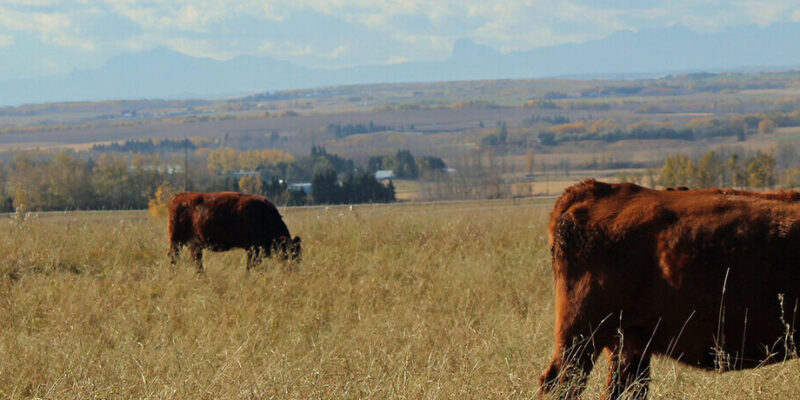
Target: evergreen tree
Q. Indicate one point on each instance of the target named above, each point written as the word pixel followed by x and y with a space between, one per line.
pixel 406 166
pixel 364 188
pixel 325 187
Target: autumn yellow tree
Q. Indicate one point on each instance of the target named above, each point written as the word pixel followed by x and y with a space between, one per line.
pixel 737 173
pixel 158 205
pixel 709 170
pixel 766 126
pixel 251 184
pixel 227 160
pixel 761 170
pixel 678 170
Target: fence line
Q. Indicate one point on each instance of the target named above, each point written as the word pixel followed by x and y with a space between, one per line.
pixel 493 204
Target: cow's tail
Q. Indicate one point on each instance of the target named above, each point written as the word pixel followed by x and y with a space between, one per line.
pixel 176 229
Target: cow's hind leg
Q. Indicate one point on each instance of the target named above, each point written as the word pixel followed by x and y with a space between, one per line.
pixel 628 369
pixel 253 257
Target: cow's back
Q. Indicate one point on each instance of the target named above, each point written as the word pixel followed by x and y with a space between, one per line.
pixel 253 220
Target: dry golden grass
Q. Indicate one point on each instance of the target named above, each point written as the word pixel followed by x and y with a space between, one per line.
pixel 406 301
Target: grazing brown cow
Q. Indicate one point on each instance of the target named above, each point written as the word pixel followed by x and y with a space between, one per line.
pixel 710 278
pixel 226 220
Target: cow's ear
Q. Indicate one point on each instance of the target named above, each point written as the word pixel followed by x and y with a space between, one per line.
pixel 296 240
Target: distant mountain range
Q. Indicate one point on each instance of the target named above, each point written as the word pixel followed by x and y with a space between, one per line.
pixel 163 73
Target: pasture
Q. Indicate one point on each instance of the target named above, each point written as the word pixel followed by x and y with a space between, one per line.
pixel 417 301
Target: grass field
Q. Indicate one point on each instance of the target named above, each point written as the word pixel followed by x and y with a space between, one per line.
pixel 450 300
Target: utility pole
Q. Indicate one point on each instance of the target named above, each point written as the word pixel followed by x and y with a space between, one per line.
pixel 185 164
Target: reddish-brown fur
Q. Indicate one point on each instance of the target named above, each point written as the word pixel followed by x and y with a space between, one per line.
pixel 694 275
pixel 226 220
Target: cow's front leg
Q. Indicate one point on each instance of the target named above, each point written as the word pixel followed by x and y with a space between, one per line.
pixel 174 252
pixel 197 255
pixel 628 370
pixel 565 377
pixel 575 338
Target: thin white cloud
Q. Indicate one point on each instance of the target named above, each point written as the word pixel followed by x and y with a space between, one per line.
pixel 139 42
pixel 16 21
pixel 297 49
pixel 270 13
pixel 51 23
pixel 396 60
pixel 701 23
pixel 31 3
pixel 195 16
pixel 440 44
pixel 513 26
pixel 74 42
pixel 190 46
pixel 764 13
pixel 373 21
pixel 337 52
pixel 196 48
pixel 52 28
pixel 190 18
pixel 285 47
pixel 6 40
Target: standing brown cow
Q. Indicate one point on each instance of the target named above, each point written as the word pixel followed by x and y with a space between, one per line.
pixel 226 220
pixel 710 278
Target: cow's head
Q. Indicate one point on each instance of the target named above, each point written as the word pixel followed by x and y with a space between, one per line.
pixel 289 248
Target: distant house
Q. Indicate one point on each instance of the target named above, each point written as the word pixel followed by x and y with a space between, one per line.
pixel 384 174
pixel 305 187
pixel 451 171
pixel 241 173
pixel 170 169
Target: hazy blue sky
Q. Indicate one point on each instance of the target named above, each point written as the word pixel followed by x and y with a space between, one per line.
pixel 44 37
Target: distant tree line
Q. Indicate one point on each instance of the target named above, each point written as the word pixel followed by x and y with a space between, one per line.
pixel 498 138
pixel 341 131
pixel 699 128
pixel 336 180
pixel 551 138
pixel 725 168
pixel 694 83
pixel 628 90
pixel 555 119
pixel 715 170
pixel 67 180
pixel 607 161
pixel 166 146
pixel 146 146
pixel 356 187
pixel 323 170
